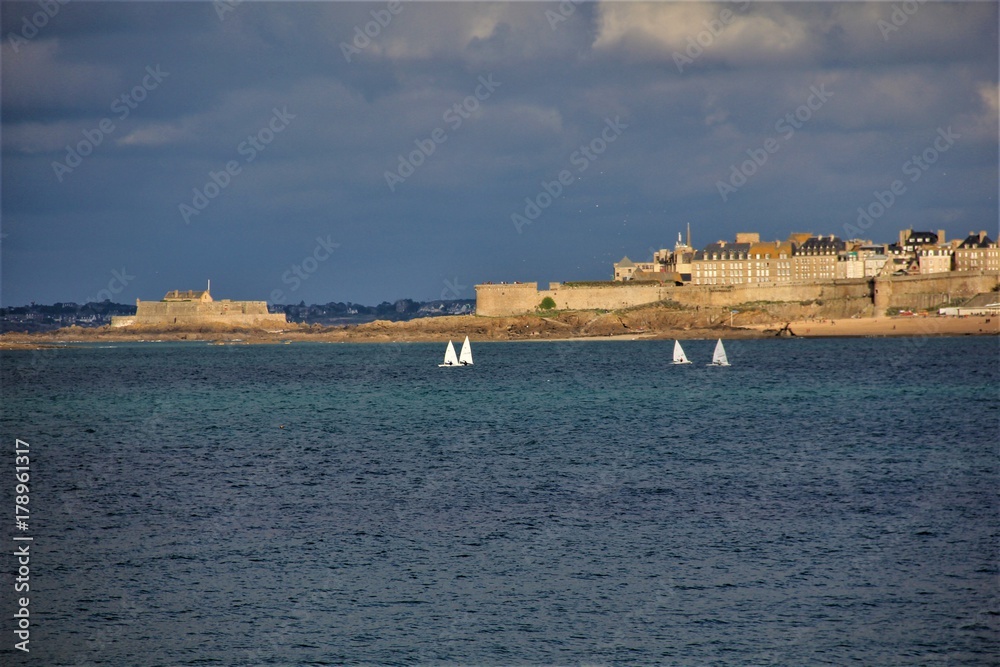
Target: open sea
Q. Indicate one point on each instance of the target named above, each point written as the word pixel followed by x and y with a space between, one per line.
pixel 819 502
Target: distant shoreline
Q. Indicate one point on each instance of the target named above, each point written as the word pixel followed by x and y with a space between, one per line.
pixel 639 325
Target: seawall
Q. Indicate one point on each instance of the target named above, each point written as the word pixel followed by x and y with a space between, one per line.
pixel 194 313
pixel 864 296
pixel 920 292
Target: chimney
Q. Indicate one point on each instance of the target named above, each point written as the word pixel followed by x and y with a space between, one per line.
pixel 940 237
pixel 982 235
pixel 903 233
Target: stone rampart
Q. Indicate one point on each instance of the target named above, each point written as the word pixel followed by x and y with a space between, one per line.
pixel 724 296
pixel 599 297
pixel 518 298
pixel 931 290
pixel 503 299
pixel 917 291
pixel 196 313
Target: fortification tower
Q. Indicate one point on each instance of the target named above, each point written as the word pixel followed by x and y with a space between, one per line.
pixel 194 308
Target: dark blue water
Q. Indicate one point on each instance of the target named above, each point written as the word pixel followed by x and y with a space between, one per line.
pixel 819 502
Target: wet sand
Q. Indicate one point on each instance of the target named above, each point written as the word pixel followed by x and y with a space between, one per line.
pixel 895 326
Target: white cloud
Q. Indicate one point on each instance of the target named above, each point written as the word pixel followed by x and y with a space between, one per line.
pixel 154 135
pixel 990 94
pixel 979 122
pixel 531 118
pixel 724 31
pixel 477 33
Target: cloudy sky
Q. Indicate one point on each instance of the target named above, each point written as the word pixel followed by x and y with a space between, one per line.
pixel 280 151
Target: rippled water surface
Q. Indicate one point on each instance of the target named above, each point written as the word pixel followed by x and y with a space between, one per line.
pixel 819 502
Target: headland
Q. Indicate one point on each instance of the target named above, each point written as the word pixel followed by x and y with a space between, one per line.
pixel 651 322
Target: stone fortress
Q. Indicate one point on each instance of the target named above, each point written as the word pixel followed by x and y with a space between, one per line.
pixel 855 277
pixel 190 308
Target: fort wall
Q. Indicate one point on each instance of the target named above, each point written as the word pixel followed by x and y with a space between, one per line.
pixel 931 290
pixel 857 294
pixel 503 299
pixel 195 313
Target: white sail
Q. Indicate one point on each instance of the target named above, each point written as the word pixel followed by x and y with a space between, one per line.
pixel 679 356
pixel 720 358
pixel 465 358
pixel 450 358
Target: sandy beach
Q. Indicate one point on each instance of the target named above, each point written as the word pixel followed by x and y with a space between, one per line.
pixel 894 326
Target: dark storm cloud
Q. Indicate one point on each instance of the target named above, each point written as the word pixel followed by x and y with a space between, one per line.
pixel 690 114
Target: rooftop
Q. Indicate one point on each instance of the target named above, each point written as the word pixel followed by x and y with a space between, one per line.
pixel 187 295
pixel 980 240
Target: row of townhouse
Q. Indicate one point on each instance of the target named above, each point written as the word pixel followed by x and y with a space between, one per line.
pixel 802 257
pixel 926 252
pixel 809 258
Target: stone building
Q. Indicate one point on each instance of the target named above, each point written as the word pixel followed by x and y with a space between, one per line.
pixel 190 309
pixel 749 261
pixel 806 258
pixel 721 263
pixel 978 252
pixel 910 240
pixel 745 262
pixel 667 265
pixel 624 268
pixel 679 262
pixel 934 259
pixel 862 259
pixel 771 262
pixel 816 258
pixel 850 264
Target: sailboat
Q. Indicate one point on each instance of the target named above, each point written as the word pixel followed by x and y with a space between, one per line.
pixel 450 358
pixel 465 358
pixel 679 356
pixel 719 358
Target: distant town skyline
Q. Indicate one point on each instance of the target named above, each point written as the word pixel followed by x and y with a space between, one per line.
pixel 369 152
